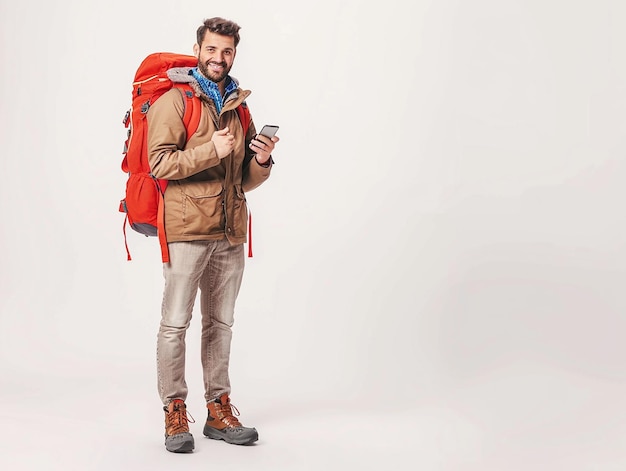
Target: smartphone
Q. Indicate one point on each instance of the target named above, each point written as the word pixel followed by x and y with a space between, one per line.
pixel 269 130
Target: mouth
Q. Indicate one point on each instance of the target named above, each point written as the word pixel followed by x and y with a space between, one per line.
pixel 216 66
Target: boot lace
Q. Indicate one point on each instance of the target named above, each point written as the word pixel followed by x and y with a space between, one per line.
pixel 178 420
pixel 227 413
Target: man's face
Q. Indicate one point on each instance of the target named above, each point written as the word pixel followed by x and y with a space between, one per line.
pixel 215 56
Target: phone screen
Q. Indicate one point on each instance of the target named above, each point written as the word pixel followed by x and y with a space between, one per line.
pixel 269 130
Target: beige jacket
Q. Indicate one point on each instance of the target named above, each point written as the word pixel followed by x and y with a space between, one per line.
pixel 205 198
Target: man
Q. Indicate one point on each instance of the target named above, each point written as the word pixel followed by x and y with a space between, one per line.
pixel 205 225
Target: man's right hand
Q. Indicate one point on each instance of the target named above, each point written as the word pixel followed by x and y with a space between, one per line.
pixel 224 142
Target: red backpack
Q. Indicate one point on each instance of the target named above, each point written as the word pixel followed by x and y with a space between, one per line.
pixel 143 202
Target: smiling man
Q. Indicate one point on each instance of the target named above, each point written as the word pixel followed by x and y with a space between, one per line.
pixel 206 227
pixel 215 55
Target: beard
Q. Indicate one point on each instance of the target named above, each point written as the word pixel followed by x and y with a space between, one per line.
pixel 211 75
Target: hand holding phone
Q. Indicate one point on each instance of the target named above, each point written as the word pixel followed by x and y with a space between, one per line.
pixel 262 150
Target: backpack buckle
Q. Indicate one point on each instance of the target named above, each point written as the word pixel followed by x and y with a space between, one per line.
pixel 126 119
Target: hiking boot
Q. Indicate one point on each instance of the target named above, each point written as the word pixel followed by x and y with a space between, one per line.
pixel 223 425
pixel 177 436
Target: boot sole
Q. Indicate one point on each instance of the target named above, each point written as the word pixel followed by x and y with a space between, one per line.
pixel 215 434
pixel 182 443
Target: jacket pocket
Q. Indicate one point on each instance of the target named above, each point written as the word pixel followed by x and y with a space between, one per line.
pixel 203 210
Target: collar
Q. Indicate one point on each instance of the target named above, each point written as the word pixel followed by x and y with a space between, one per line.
pixel 212 90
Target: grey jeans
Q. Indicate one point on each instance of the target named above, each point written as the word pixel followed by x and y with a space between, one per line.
pixel 216 268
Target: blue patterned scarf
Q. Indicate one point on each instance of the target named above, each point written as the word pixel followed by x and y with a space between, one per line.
pixel 211 89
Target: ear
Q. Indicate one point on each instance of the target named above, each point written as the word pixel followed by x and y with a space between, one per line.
pixel 196 49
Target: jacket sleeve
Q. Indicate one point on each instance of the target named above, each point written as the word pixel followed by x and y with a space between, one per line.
pixel 253 173
pixel 167 138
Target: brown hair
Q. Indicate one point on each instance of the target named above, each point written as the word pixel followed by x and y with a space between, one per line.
pixel 218 26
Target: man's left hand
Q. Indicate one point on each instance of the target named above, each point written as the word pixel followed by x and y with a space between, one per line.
pixel 263 147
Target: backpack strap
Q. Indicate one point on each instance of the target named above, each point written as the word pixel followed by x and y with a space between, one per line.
pixel 193 109
pixel 191 120
pixel 244 116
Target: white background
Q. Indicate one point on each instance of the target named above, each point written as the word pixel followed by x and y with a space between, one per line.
pixel 438 272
